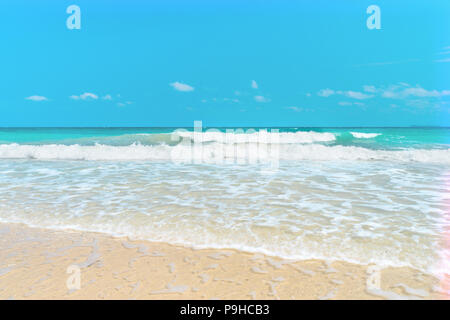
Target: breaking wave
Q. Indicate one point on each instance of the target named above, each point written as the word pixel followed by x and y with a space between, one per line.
pixel 261 136
pixel 212 152
pixel 362 135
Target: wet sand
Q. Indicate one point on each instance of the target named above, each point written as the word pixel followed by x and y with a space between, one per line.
pixel 47 264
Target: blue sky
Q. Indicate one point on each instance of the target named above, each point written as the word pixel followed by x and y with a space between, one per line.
pixel 227 63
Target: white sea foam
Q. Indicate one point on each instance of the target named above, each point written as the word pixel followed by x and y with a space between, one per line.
pixel 383 213
pixel 363 135
pixel 215 152
pixel 326 201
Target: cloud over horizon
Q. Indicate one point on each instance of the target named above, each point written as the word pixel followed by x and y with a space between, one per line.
pixel 325 93
pixel 36 98
pixel 84 96
pixel 182 86
pixel 261 99
pixel 350 94
pixel 398 91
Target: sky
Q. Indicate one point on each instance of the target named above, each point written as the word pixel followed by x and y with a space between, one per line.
pixel 305 63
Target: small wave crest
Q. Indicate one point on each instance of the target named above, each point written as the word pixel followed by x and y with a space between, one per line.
pixel 261 136
pixel 363 135
pixel 208 136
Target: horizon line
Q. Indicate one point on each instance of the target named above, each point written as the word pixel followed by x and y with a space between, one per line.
pixel 233 127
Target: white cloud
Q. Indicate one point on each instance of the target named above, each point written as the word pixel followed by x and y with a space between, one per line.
pixel 444 51
pixel 357 95
pixel 231 100
pixel 123 104
pixel 351 94
pixel 36 98
pixel 401 91
pixel 346 103
pixel 254 84
pixel 420 92
pixel 182 86
pixel 405 91
pixel 326 93
pixel 88 95
pixel 443 60
pixel 84 96
pixel 390 94
pixel 398 91
pixel 294 108
pixel 370 89
pixel 107 97
pixel 261 99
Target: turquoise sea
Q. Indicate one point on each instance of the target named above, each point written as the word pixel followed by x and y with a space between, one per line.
pixel 363 195
pixel 386 138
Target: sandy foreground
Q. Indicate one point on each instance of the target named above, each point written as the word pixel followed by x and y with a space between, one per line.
pixel 48 264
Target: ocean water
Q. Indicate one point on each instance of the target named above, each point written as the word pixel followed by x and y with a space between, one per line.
pixel 363 195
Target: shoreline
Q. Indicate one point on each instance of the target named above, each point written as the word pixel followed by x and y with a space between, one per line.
pixel 40 263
